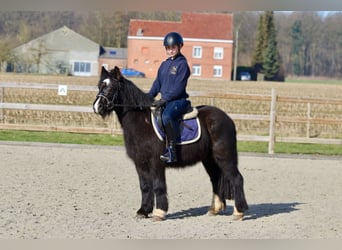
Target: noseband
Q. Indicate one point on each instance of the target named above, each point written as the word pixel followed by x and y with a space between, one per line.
pixel 109 103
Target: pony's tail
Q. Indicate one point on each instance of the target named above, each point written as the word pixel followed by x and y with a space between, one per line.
pixel 231 188
pixel 226 190
pixel 228 171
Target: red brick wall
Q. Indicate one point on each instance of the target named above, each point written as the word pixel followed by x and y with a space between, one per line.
pixel 147 55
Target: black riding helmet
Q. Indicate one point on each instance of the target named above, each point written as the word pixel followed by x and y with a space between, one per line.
pixel 173 38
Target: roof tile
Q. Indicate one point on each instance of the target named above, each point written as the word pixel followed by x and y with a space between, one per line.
pixel 192 25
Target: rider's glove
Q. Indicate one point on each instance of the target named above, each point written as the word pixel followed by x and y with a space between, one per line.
pixel 158 103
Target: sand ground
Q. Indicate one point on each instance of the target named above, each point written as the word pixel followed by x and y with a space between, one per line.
pixel 92 192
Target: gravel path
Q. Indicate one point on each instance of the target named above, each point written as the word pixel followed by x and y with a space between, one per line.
pixel 74 191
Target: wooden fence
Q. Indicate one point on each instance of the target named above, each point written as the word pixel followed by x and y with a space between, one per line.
pixel 272 118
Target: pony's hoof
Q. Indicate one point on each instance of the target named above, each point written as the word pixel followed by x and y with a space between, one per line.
pixel 211 213
pixel 158 215
pixel 216 206
pixel 238 217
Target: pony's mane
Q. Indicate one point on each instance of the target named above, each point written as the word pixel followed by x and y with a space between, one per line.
pixel 133 95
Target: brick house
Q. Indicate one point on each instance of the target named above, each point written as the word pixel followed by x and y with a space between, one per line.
pixel 208 44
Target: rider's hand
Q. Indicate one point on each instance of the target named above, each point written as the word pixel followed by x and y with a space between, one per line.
pixel 158 103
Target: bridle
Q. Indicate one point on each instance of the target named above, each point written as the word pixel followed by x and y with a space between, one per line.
pixel 110 104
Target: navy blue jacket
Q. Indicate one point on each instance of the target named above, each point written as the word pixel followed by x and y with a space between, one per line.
pixel 172 79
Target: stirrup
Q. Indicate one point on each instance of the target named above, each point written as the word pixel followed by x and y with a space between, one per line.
pixel 168 156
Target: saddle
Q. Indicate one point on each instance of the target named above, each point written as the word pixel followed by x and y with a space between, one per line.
pixel 190 129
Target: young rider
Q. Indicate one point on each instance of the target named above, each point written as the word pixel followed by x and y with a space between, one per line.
pixel 171 82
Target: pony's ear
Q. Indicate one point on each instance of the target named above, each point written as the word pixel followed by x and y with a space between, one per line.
pixel 104 72
pixel 116 73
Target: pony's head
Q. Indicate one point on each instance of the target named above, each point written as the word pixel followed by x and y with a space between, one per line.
pixel 109 86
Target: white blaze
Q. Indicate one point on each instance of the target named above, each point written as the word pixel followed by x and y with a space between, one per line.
pixel 96 105
pixel 106 81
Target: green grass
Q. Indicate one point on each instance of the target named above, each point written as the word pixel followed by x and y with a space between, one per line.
pixel 61 137
pixel 291 148
pixel 109 140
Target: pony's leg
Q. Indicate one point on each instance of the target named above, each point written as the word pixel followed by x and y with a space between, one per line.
pixel 237 215
pixel 147 198
pixel 160 191
pixel 217 205
pixel 240 205
pixel 214 172
pixel 232 183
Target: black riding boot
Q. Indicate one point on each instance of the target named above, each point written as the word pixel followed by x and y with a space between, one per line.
pixel 170 154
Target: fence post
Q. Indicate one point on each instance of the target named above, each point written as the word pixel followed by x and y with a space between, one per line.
pixel 2 97
pixel 271 141
pixel 308 116
pixel 212 101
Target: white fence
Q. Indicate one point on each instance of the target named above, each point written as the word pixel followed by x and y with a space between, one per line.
pixel 272 118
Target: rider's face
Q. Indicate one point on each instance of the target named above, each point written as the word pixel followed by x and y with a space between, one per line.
pixel 172 50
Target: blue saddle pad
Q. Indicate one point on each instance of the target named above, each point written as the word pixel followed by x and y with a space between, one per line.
pixel 190 130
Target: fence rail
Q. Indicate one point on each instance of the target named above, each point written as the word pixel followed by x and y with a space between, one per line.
pixel 272 118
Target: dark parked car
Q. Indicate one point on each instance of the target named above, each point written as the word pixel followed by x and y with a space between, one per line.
pixel 128 72
pixel 245 76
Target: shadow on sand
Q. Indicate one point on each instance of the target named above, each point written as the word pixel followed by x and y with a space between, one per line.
pixel 255 211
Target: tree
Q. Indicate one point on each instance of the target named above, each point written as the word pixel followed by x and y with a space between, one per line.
pixel 5 54
pixel 309 44
pixel 247 24
pixel 38 54
pixel 311 24
pixel 258 57
pixel 271 63
pixel 266 56
pixel 297 47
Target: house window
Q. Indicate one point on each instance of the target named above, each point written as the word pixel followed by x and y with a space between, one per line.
pixel 217 71
pixel 196 70
pixel 82 68
pixel 197 52
pixel 218 53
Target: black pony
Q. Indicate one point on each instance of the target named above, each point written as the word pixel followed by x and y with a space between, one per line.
pixel 216 148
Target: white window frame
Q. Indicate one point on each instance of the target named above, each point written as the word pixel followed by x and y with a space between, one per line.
pixel 197 51
pixel 218 53
pixel 196 70
pixel 83 69
pixel 217 71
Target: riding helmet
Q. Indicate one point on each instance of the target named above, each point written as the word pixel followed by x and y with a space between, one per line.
pixel 173 38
